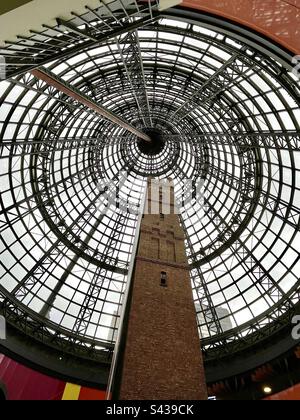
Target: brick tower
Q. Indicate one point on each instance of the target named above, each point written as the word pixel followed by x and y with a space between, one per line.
pixel 162 358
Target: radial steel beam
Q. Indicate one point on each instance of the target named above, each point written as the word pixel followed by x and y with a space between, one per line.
pixel 44 312
pixel 130 52
pixel 59 84
pixel 227 75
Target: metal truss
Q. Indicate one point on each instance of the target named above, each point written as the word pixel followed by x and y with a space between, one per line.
pixel 54 43
pixel 221 81
pixel 263 278
pixel 248 186
pixel 62 341
pixel 130 52
pixel 207 307
pixel 69 236
pixel 100 278
pixel 254 333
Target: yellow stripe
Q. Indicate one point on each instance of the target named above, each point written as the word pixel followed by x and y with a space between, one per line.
pixel 71 392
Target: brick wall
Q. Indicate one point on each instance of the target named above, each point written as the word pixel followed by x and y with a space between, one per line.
pixel 162 357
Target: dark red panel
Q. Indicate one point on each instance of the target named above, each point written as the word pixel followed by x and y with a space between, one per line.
pixel 88 394
pixel 23 383
pixel 277 19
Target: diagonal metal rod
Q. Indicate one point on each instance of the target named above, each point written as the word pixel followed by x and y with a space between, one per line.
pixel 58 83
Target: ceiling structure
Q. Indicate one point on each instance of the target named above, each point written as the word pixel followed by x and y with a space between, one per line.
pixel 38 13
pixel 277 20
pixel 222 113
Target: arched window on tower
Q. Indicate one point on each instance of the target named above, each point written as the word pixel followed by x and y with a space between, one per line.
pixel 164 279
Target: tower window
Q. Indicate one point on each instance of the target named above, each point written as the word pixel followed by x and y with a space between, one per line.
pixel 163 279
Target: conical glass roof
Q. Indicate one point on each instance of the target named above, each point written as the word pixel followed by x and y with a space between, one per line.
pixel 224 112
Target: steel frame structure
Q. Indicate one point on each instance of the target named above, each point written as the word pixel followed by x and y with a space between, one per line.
pixel 229 115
